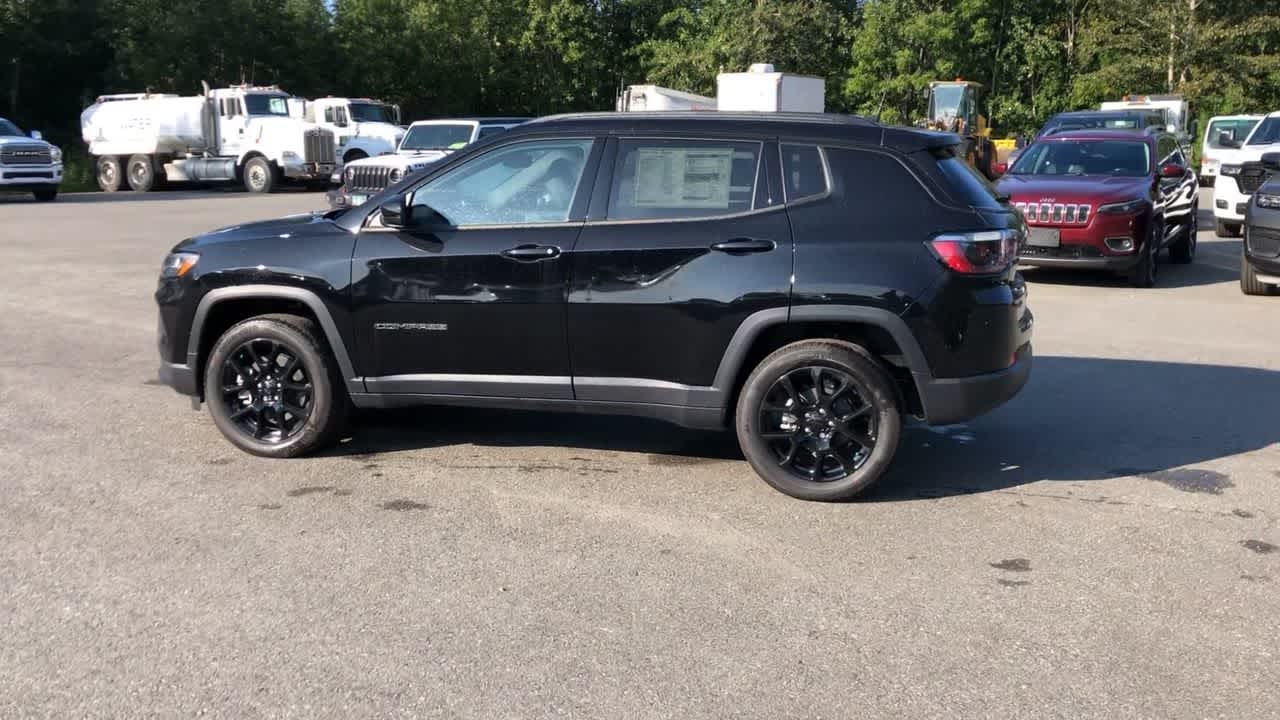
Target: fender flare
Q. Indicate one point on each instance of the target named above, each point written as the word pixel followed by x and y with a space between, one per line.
pixel 274 292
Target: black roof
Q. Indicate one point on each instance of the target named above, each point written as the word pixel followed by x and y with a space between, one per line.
pixel 1105 113
pixel 816 126
pixel 486 120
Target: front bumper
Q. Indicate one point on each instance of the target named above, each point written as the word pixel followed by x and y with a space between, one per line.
pixel 1113 263
pixel 308 171
pixel 1261 247
pixel 952 400
pixel 24 178
pixel 180 377
pixel 1229 203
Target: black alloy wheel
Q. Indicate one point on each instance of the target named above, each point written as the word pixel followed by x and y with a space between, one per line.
pixel 266 390
pixel 819 423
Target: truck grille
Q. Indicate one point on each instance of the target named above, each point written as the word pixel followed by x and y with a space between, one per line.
pixel 1252 176
pixel 26 155
pixel 1055 214
pixel 318 146
pixel 1264 242
pixel 369 178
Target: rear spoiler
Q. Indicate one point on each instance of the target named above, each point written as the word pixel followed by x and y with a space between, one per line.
pixel 910 140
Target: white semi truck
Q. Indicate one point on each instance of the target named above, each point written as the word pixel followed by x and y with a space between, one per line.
pixel 237 134
pixel 363 127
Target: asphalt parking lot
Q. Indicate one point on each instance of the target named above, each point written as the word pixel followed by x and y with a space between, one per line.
pixel 1104 546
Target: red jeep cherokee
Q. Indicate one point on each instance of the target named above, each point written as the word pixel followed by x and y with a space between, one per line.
pixel 1108 200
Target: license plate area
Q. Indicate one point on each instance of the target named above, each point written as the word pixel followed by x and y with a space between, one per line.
pixel 358 200
pixel 1044 237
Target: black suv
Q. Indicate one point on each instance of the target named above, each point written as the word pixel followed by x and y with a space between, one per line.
pixel 1260 260
pixel 809 280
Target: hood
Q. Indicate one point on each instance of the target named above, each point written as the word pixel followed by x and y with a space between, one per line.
pixel 385 131
pixel 408 161
pixel 1072 189
pixel 21 140
pixel 278 228
pixel 1250 153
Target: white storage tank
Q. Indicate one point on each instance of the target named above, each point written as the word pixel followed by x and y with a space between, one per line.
pixel 763 89
pixel 156 124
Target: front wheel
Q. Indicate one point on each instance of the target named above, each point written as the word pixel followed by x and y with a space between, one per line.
pixel 1226 229
pixel 1183 252
pixel 259 176
pixel 1249 282
pixel 819 420
pixel 1143 275
pixel 273 388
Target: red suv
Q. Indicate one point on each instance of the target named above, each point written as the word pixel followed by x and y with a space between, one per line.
pixel 1104 199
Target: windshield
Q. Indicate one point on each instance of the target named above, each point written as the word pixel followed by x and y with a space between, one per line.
pixel 370 112
pixel 437 137
pixel 1268 132
pixel 8 129
pixel 266 105
pixel 1092 122
pixel 1115 158
pixel 1236 129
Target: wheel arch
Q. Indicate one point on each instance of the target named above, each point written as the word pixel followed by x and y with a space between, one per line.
pixel 222 308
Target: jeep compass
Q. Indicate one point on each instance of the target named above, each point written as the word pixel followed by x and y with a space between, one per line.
pixel 809 281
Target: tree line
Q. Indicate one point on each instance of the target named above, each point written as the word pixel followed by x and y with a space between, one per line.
pixel 453 57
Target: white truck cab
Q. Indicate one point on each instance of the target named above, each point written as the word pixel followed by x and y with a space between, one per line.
pixel 425 142
pixel 1174 108
pixel 28 163
pixel 1240 176
pixel 1224 136
pixel 243 133
pixel 363 127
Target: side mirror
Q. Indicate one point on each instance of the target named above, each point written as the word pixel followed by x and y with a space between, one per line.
pixel 1271 161
pixel 37 135
pixel 397 212
pixel 1227 139
pixel 1172 170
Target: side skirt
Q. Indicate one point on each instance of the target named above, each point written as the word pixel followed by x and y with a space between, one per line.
pixel 700 418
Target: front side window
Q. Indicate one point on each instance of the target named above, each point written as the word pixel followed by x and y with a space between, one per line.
pixel 266 105
pixel 1118 158
pixel 437 137
pixel 524 183
pixel 673 179
pixel 1237 130
pixel 805 173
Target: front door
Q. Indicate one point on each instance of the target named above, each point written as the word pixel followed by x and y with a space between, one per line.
pixel 231 126
pixel 469 300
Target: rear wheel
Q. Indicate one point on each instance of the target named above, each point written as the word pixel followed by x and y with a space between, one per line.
pixel 142 173
pixel 1249 283
pixel 1226 229
pixel 819 420
pixel 259 176
pixel 110 174
pixel 48 195
pixel 273 388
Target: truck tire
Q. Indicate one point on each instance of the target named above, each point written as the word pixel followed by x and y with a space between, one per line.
pixel 1226 229
pixel 1249 283
pixel 142 173
pixel 109 174
pixel 48 195
pixel 259 176
pixel 819 420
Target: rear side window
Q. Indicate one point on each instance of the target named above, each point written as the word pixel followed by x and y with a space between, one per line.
pixel 964 184
pixel 673 179
pixel 805 173
pixel 875 184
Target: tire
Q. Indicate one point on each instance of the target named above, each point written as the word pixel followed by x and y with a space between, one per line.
pixel 1143 275
pixel 1207 182
pixel 1183 252
pixel 1226 229
pixel 268 427
pixel 780 444
pixel 259 176
pixel 142 173
pixel 45 196
pixel 110 174
pixel 1249 283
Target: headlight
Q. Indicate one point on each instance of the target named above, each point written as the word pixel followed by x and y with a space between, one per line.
pixel 178 264
pixel 1231 170
pixel 1124 208
pixel 290 155
pixel 396 175
pixel 1268 201
pixel 56 155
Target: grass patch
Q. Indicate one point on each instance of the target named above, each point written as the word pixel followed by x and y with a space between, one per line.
pixel 78 172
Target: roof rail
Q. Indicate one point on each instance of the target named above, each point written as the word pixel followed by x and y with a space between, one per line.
pixel 823 118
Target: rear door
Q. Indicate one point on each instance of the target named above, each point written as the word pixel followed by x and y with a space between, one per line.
pixel 686 238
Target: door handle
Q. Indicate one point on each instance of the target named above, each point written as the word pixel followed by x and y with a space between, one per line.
pixel 532 253
pixel 739 246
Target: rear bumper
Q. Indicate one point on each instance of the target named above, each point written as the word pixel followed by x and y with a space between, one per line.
pixel 953 400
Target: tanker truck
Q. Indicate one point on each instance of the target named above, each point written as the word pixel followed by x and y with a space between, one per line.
pixel 243 134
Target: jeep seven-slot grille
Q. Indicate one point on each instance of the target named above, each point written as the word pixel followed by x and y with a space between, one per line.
pixel 369 178
pixel 1055 213
pixel 1264 242
pixel 318 147
pixel 26 155
pixel 1252 176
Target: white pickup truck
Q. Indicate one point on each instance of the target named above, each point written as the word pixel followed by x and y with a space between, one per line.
pixel 28 163
pixel 1240 176
pixel 425 142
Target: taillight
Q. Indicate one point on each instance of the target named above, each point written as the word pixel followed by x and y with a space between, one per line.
pixel 977 253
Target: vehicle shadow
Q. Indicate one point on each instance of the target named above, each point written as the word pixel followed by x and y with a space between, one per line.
pixel 1083 419
pixel 1078 419
pixel 185 192
pixel 1196 274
